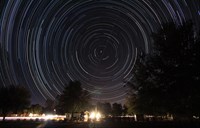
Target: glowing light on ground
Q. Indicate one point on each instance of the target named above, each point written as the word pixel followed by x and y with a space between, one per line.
pixel 95 116
pixel 31 117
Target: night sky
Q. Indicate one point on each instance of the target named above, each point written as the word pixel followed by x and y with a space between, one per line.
pixel 46 43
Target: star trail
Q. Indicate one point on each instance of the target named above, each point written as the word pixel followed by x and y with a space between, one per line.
pixel 46 43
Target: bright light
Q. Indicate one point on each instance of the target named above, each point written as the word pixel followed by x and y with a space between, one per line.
pixel 32 117
pixel 50 117
pixel 92 115
pixel 85 118
pixel 31 114
pixel 98 116
pixel 95 116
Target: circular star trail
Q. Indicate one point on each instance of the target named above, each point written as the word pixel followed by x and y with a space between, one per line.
pixel 47 43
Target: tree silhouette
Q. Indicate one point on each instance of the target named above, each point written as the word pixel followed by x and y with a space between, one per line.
pixel 35 109
pixel 167 80
pixel 117 109
pixel 49 106
pixel 104 108
pixel 73 99
pixel 13 99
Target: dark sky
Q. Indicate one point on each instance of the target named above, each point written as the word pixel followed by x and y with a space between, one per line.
pixel 46 43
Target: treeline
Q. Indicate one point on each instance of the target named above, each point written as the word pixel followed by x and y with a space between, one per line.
pixel 13 99
pixel 167 80
pixel 74 99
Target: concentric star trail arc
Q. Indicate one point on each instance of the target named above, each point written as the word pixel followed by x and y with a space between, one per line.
pixel 46 43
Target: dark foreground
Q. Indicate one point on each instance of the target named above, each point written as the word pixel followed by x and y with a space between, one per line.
pixel 53 124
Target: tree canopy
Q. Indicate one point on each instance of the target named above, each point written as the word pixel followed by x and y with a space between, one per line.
pixel 167 80
pixel 35 109
pixel 117 109
pixel 13 99
pixel 104 108
pixel 49 106
pixel 73 99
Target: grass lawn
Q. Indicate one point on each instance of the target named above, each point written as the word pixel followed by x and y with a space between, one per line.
pixel 20 124
pixel 108 124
